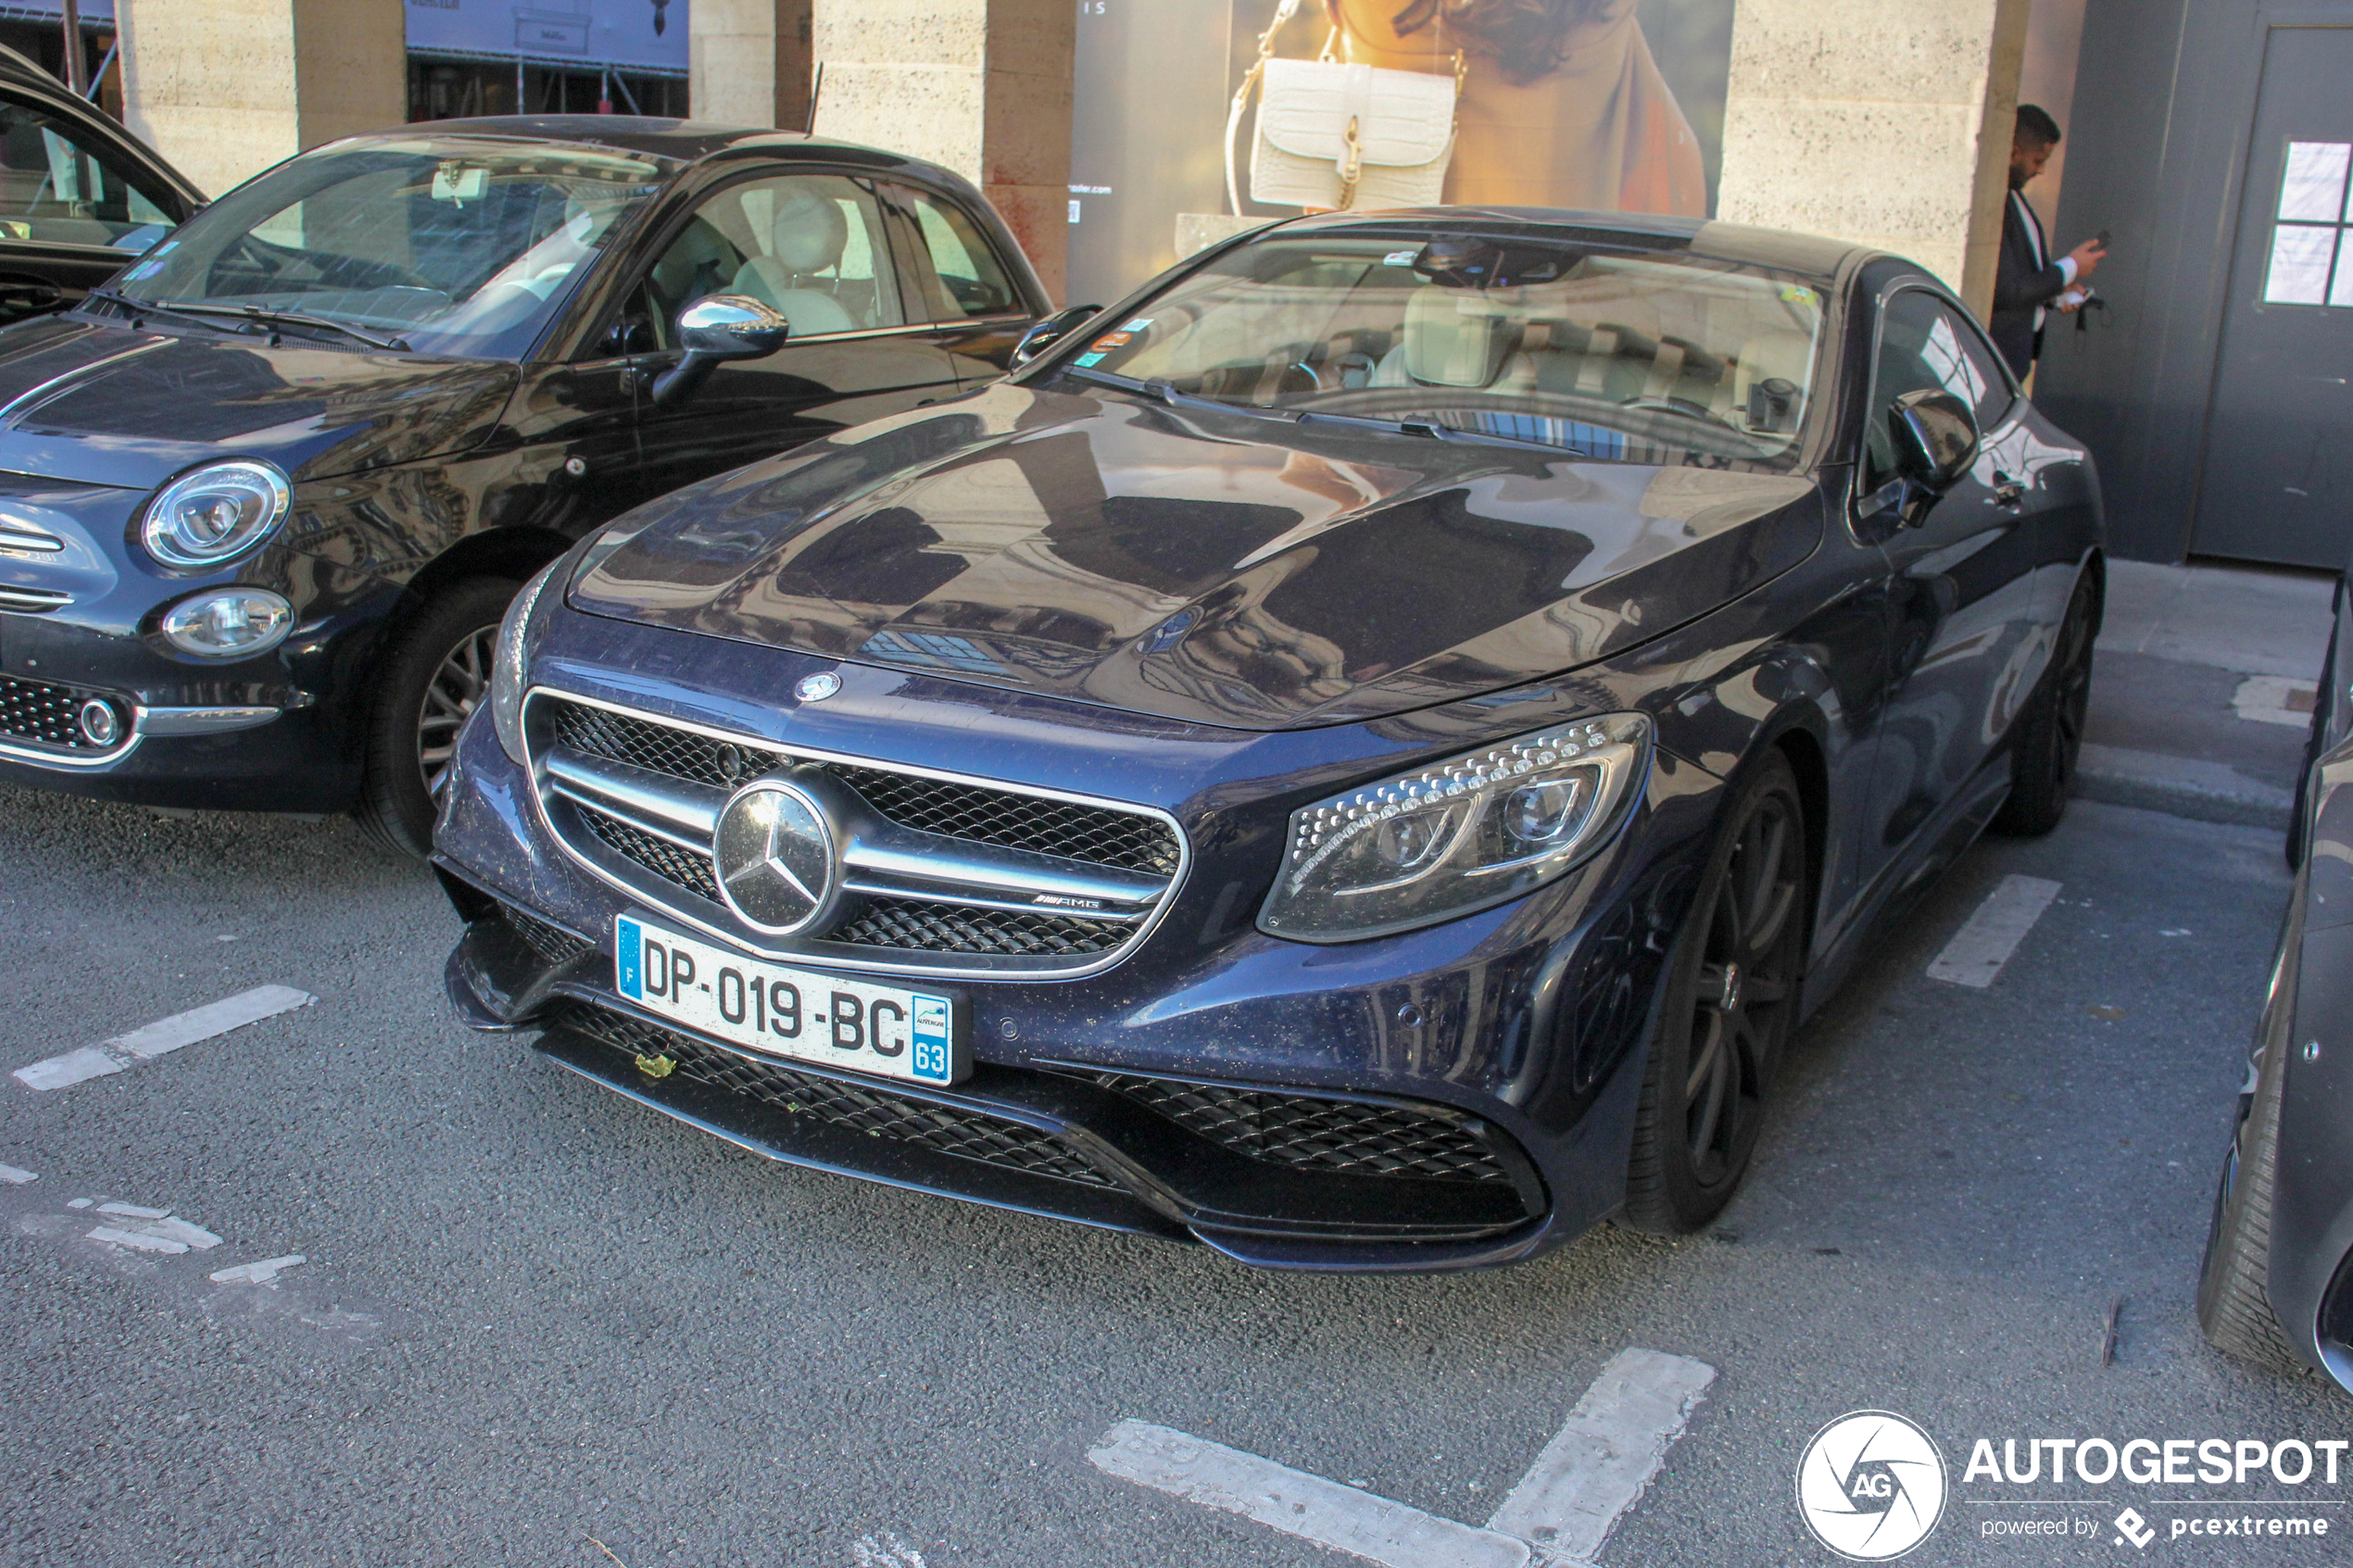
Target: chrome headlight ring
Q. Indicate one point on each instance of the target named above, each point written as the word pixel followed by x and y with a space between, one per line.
pixel 211 516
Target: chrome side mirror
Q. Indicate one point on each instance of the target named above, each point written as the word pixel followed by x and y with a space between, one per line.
pixel 1043 335
pixel 715 328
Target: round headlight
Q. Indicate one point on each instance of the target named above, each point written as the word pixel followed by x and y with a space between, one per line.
pixel 212 515
pixel 228 624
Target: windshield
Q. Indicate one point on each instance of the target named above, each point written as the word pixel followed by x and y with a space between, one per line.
pixel 1634 357
pixel 452 245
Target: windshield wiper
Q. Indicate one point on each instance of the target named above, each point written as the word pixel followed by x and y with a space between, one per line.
pixel 291 319
pixel 1430 429
pixel 140 309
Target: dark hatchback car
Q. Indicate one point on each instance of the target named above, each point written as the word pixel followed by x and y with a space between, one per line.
pixel 264 499
pixel 2276 1288
pixel 1360 755
pixel 79 195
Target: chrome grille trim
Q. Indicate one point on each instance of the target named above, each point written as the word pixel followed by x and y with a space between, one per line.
pixel 649 834
pixel 17 534
pixel 32 601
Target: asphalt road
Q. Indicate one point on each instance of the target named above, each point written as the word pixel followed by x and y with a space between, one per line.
pixel 536 1324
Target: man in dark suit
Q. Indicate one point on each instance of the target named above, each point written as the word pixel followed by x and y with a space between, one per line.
pixel 2028 284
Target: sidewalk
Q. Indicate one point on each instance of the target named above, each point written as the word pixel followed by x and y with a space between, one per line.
pixel 2202 689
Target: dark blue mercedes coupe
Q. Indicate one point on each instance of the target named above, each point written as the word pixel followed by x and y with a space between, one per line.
pixel 1360 755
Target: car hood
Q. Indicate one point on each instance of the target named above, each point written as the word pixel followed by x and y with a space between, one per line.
pixel 1198 564
pixel 105 405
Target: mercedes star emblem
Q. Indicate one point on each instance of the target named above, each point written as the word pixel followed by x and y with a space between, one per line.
pixel 774 850
pixel 816 688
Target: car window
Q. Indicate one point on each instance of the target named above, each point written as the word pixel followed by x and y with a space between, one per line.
pixel 1923 347
pixel 958 272
pixel 453 244
pixel 1619 355
pixel 810 244
pixel 58 186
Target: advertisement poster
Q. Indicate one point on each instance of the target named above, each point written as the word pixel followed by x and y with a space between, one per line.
pixel 1612 104
pixel 639 34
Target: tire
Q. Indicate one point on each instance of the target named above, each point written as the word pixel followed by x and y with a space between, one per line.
pixel 2233 1290
pixel 1729 1008
pixel 2049 737
pixel 436 669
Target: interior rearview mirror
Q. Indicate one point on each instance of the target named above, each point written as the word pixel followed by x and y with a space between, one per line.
pixel 1044 334
pixel 1935 436
pixel 717 328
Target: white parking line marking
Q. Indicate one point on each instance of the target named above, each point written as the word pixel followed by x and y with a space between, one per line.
pixel 884 1551
pixel 146 1230
pixel 163 1036
pixel 1297 1503
pixel 1979 949
pixel 262 1273
pixel 15 1177
pixel 1596 1466
pixel 132 1211
pixel 1613 1447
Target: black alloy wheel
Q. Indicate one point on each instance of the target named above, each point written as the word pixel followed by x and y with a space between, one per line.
pixel 2050 733
pixel 435 674
pixel 1731 1005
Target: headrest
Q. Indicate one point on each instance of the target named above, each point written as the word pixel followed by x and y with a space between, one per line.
pixel 1458 337
pixel 809 231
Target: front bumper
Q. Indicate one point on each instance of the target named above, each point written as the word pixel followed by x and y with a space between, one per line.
pixel 1159 1094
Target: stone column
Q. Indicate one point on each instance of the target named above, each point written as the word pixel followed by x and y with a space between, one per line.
pixel 226 88
pixel 1885 124
pixel 979 86
pixel 749 61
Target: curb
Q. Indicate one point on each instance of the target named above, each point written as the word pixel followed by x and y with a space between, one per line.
pixel 2206 792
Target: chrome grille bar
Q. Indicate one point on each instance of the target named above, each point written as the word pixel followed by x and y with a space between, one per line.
pixel 32 601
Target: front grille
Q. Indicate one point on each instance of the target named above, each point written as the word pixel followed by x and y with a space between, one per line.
pixel 956 928
pixel 1096 835
pixel 665 860
pixel 942 1129
pixel 1320 1135
pixel 552 943
pixel 37 711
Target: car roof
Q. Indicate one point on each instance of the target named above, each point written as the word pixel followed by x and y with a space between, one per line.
pixel 1809 255
pixel 686 141
pixel 22 71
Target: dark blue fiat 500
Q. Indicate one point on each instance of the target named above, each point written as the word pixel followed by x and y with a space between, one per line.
pixel 1360 755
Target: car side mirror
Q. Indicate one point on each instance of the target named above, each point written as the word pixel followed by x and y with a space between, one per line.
pixel 717 328
pixel 1044 334
pixel 1935 437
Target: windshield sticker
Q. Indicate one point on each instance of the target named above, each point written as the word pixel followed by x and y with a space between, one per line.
pixel 1138 325
pixel 1400 258
pixel 1793 294
pixel 1085 359
pixel 1114 340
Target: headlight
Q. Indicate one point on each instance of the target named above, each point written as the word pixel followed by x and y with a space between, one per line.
pixel 228 624
pixel 511 664
pixel 1457 836
pixel 214 514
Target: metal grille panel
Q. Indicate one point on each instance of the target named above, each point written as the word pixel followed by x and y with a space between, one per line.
pixel 552 943
pixel 665 860
pixel 955 928
pixel 1096 835
pixel 968 1135
pixel 1320 1135
pixel 37 711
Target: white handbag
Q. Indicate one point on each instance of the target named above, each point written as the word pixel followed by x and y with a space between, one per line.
pixel 1339 136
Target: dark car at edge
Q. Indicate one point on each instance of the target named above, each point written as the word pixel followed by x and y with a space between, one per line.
pixel 264 497
pixel 1360 755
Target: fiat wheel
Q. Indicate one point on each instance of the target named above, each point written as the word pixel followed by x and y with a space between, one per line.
pixel 435 674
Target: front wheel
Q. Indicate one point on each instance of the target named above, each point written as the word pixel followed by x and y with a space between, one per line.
pixel 1731 1004
pixel 2233 1282
pixel 2050 733
pixel 435 674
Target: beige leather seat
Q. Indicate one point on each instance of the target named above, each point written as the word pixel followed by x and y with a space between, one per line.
pixel 806 238
pixel 1454 337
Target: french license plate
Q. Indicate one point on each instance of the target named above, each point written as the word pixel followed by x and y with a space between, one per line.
pixel 778 1011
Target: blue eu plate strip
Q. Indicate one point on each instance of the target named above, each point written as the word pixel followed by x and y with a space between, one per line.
pixel 933 1062
pixel 628 952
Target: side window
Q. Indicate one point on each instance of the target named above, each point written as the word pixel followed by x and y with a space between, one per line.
pixel 958 272
pixel 1923 347
pixel 810 244
pixel 57 190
